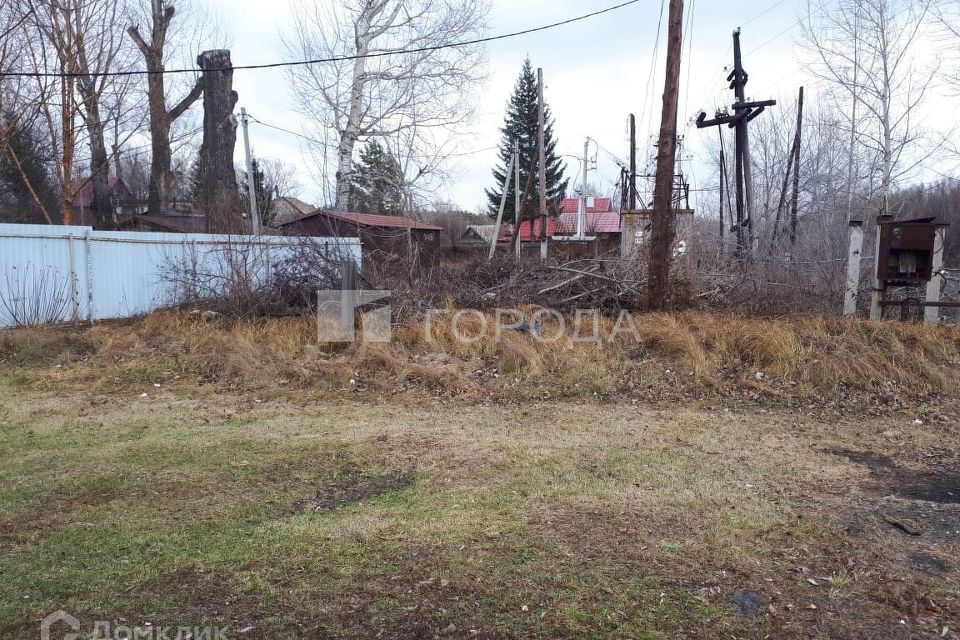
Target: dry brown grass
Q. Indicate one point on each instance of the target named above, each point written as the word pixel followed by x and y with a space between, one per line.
pixel 687 353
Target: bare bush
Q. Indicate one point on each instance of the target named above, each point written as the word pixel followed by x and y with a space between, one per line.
pixel 251 279
pixel 34 297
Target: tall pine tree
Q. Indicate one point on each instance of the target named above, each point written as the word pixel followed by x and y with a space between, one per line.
pixel 521 125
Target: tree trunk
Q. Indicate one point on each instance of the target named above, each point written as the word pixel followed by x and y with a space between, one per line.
pixel 219 196
pixel 69 146
pixel 102 205
pixel 351 132
pixel 161 172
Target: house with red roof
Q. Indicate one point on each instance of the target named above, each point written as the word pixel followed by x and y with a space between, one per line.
pixel 601 222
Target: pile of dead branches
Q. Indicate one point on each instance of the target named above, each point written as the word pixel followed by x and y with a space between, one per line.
pixel 606 284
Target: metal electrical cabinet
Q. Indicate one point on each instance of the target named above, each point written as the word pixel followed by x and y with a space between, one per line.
pixel 906 251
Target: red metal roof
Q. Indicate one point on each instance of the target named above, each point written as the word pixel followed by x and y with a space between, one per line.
pixel 566 225
pixel 525 229
pixel 600 205
pixel 594 222
pixel 369 220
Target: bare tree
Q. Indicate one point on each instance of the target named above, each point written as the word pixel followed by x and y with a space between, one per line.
pixel 155 51
pixel 396 86
pixel 49 100
pixel 77 39
pixel 866 51
pixel 86 40
pixel 282 177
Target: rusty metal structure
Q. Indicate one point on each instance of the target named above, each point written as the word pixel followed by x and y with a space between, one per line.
pixel 909 255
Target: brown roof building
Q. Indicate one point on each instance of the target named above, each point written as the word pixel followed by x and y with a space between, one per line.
pixel 388 234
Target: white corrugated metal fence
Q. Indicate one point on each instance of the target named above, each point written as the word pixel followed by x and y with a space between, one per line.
pixel 61 273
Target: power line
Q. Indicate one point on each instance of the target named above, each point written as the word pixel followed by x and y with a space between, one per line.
pixel 320 142
pixel 648 97
pixel 686 90
pixel 297 63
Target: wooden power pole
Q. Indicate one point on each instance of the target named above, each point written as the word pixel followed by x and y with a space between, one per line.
pixel 542 163
pixel 514 162
pixel 632 177
pixel 796 169
pixel 661 237
pixel 743 113
pixel 793 168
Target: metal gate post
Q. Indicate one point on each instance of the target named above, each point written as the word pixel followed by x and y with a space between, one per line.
pixel 931 315
pixel 853 268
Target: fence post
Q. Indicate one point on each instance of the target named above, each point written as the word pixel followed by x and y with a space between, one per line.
pixel 931 315
pixel 74 285
pixel 348 298
pixel 88 257
pixel 853 268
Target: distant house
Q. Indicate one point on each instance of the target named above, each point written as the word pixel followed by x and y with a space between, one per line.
pixel 122 201
pixel 601 223
pixel 180 222
pixel 482 234
pixel 594 205
pixel 287 209
pixel 388 234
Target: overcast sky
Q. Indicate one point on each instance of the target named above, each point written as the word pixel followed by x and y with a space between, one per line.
pixel 596 72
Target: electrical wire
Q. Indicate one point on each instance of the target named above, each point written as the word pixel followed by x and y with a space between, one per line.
pixel 646 116
pixel 297 63
pixel 315 141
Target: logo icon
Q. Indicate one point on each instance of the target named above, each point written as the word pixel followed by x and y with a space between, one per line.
pixel 341 312
pixel 56 618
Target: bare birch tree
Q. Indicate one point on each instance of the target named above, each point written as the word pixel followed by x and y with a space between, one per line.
pixel 397 86
pixel 867 51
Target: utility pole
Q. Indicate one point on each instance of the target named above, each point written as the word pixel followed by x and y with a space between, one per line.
pixel 503 203
pixel 793 168
pixel 796 170
pixel 632 184
pixel 251 188
pixel 744 165
pixel 542 162
pixel 517 203
pixel 743 113
pixel 661 240
pixel 582 204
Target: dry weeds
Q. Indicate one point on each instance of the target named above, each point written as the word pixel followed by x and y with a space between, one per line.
pixel 794 360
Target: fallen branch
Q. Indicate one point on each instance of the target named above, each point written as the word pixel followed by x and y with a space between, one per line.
pixel 907 529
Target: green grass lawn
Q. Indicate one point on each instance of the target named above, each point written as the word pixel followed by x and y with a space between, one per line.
pixel 301 518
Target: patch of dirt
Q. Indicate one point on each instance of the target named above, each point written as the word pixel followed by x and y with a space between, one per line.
pixel 939 484
pixel 877 462
pixel 355 488
pixel 922 502
pixel 930 563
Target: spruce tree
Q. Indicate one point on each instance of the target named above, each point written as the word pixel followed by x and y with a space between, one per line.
pixel 377 182
pixel 520 124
